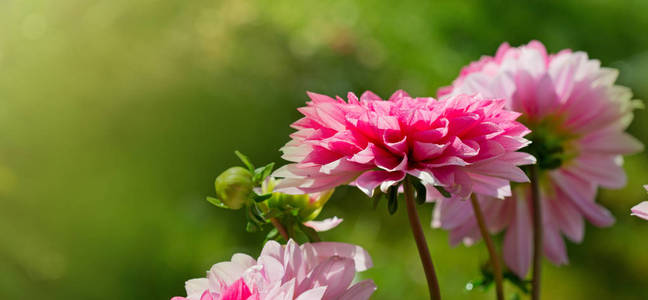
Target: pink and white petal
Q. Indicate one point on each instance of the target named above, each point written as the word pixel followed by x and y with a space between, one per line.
pixel 206 296
pixel 368 181
pixel 450 213
pixel 335 273
pixel 605 170
pixel 360 257
pixel 567 217
pixel 243 260
pixel 324 225
pixel 490 186
pixel 553 244
pixel 225 272
pixel 360 291
pixel 582 194
pixel 611 142
pixel 196 287
pixel 641 210
pixel 313 294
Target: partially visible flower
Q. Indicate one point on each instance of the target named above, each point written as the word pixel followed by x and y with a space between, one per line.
pixel 234 187
pixel 314 271
pixel 641 210
pixel 464 144
pixel 578 117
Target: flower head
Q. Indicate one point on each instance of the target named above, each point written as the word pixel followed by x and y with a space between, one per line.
pixel 465 143
pixel 314 271
pixel 578 118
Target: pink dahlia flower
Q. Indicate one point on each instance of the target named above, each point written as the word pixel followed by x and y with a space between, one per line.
pixel 464 144
pixel 323 270
pixel 578 118
pixel 641 210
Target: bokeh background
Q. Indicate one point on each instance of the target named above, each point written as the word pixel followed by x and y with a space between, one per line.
pixel 116 116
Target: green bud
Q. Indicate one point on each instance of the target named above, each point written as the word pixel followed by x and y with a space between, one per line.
pixel 234 187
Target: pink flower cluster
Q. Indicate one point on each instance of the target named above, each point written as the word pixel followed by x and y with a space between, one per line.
pixel 317 271
pixel 570 103
pixel 465 144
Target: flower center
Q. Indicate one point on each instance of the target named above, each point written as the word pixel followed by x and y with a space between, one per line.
pixel 550 143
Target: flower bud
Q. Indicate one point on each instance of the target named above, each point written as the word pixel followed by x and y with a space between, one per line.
pixel 234 186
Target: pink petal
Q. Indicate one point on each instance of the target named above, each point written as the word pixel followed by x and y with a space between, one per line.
pixel 360 291
pixel 517 248
pixel 313 294
pixel 368 181
pixel 641 210
pixel 324 225
pixel 360 257
pixel 582 194
pixel 335 273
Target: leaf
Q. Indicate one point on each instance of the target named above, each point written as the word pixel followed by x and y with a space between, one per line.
pixel 261 173
pixel 245 160
pixel 217 202
pixel 420 191
pixel 261 198
pixel 392 195
pixel 442 191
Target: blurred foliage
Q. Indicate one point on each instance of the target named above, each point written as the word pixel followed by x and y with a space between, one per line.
pixel 116 116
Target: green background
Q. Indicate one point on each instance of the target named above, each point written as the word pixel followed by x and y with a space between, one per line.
pixel 116 116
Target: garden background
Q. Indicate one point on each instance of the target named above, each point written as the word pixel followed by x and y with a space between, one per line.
pixel 116 116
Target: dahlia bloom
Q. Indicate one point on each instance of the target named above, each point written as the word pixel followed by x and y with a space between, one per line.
pixel 578 118
pixel 323 270
pixel 464 144
pixel 641 210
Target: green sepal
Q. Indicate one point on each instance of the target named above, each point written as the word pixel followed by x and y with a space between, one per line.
pixel 442 191
pixel 261 198
pixel 217 202
pixel 310 233
pixel 420 191
pixel 272 234
pixel 245 160
pixel 261 173
pixel 392 195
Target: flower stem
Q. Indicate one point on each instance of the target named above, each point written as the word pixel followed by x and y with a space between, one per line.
pixel 494 258
pixel 537 233
pixel 280 228
pixel 421 244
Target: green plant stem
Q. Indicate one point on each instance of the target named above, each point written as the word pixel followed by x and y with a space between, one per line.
pixel 494 258
pixel 280 228
pixel 537 233
pixel 421 244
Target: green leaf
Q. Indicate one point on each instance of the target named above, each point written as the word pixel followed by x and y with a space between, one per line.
pixel 261 173
pixel 261 198
pixel 392 195
pixel 217 202
pixel 420 191
pixel 442 191
pixel 245 160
